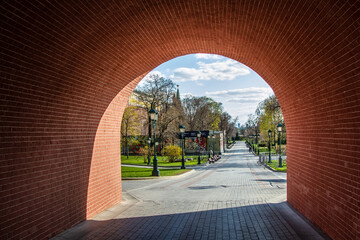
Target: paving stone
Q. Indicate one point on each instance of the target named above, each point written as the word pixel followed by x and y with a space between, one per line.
pixel 231 199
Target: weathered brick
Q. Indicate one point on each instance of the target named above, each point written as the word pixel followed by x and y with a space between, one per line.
pixel 67 70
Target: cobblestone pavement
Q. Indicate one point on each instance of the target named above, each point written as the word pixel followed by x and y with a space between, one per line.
pixel 234 198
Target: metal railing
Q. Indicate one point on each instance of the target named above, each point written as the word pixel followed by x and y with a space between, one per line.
pixel 264 157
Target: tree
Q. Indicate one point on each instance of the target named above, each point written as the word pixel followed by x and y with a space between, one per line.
pixel 129 127
pixel 202 113
pixel 168 123
pixel 228 125
pixel 190 105
pixel 271 115
pixel 159 93
pixel 251 124
pixel 267 115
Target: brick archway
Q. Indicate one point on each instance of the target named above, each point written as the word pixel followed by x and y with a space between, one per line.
pixel 68 68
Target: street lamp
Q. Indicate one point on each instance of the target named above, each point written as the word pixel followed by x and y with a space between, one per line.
pixel 198 134
pixel 279 128
pixel 182 131
pixel 149 161
pixel 209 144
pixel 154 117
pixel 256 143
pixel 225 138
pixel 213 137
pixel 269 132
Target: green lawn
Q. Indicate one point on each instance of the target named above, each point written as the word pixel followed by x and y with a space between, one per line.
pixel 275 165
pixel 264 149
pixel 137 172
pixel 162 161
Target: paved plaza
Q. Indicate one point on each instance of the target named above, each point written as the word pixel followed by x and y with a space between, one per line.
pixel 235 198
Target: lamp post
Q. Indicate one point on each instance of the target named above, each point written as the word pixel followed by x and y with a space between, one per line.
pixel 149 161
pixel 209 144
pixel 269 132
pixel 225 138
pixel 198 134
pixel 213 137
pixel 279 128
pixel 182 131
pixel 154 117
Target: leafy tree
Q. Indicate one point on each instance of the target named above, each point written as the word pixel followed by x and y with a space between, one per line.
pixel 129 127
pixel 267 115
pixel 216 110
pixel 271 115
pixel 202 113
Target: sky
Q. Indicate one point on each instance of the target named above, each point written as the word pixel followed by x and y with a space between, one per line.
pixel 235 85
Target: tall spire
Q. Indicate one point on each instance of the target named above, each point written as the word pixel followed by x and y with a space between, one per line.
pixel 178 92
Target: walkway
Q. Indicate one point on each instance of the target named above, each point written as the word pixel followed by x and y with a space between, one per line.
pixel 232 199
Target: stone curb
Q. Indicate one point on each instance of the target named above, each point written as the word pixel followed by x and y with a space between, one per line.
pixel 270 168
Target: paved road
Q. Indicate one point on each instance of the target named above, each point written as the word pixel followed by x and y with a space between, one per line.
pixel 232 199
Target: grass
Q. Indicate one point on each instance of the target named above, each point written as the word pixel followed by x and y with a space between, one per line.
pixel 266 149
pixel 275 165
pixel 162 161
pixel 137 172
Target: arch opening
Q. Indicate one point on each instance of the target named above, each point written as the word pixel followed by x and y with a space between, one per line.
pixel 63 67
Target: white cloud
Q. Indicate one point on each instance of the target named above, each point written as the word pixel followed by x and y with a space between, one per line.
pixel 155 73
pixel 184 95
pixel 146 78
pixel 241 102
pixel 219 70
pixel 207 56
pixel 258 93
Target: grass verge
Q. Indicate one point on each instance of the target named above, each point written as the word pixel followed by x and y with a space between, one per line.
pixel 137 172
pixel 162 161
pixel 275 165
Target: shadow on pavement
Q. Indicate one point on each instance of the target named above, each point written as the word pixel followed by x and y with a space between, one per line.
pixel 261 221
pixel 272 180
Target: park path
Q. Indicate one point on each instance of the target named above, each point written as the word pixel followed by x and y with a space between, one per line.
pixel 235 198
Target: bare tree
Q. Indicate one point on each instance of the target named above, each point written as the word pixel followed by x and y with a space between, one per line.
pixel 228 125
pixel 159 93
pixel 155 93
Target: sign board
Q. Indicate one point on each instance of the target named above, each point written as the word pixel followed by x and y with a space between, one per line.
pixel 193 134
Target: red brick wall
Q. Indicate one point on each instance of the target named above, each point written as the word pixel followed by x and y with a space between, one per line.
pixel 68 68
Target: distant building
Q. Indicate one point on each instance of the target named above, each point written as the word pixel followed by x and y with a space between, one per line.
pixel 135 101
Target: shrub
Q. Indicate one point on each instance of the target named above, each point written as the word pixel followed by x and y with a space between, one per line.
pixel 144 151
pixel 172 152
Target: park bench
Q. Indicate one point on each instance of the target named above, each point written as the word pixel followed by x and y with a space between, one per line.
pixel 214 159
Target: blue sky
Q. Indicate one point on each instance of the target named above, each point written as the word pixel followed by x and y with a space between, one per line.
pixel 235 85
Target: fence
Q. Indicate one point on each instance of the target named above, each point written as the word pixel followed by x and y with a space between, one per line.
pixel 196 152
pixel 264 157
